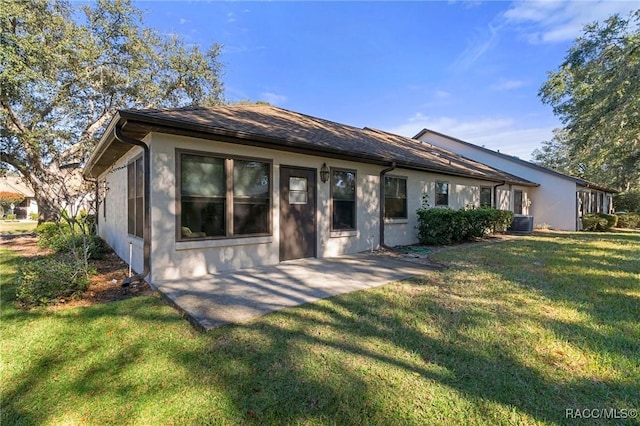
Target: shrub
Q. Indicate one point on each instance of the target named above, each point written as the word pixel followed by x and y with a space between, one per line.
pixel 598 221
pixel 11 217
pixel 59 238
pixel 47 280
pixel 593 222
pixel 629 220
pixel 33 216
pixel 446 226
pixel 627 201
pixel 612 220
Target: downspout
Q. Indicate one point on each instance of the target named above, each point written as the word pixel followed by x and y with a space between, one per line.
pixel 146 227
pixel 382 173
pixel 495 194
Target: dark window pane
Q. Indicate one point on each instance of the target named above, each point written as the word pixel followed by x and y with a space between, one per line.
pixel 343 185
pixel 395 208
pixel 250 178
pixel 395 187
pixel 250 216
pixel 202 176
pixel 139 178
pixel 131 181
pixel 485 197
pixel 395 201
pixel 517 202
pixel 442 194
pixel 343 215
pixel 131 216
pixel 139 217
pixel 203 218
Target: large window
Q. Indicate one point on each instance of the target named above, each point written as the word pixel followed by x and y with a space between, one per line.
pixel 395 197
pixel 223 197
pixel 343 199
pixel 485 196
pixel 135 197
pixel 442 194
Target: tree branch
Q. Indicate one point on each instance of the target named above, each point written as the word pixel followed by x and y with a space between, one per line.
pixel 14 117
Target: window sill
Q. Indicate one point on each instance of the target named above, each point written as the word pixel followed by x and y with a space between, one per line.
pixel 230 242
pixel 339 234
pixel 400 221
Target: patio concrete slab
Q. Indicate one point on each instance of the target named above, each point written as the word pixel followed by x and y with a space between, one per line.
pixel 239 296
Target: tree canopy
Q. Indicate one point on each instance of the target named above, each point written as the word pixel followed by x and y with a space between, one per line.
pixel 596 94
pixel 66 71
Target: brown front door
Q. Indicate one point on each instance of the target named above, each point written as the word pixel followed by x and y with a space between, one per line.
pixel 297 212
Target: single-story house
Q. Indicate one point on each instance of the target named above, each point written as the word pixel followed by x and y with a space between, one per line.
pixel 16 185
pixel 192 191
pixel 558 202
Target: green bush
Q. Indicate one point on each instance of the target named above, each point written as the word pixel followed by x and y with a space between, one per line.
pixel 446 226
pixel 33 216
pixel 11 217
pixel 47 280
pixel 592 222
pixel 627 201
pixel 628 220
pixel 59 238
pixel 612 220
pixel 598 221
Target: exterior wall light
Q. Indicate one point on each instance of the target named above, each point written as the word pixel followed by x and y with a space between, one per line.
pixel 324 173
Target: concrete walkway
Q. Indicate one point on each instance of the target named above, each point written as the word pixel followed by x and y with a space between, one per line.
pixel 239 296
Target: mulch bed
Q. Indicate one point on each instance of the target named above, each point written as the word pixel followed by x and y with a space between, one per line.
pixel 104 287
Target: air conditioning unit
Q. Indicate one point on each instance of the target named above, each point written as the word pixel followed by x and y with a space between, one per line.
pixel 521 224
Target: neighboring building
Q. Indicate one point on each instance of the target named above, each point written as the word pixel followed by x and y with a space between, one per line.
pixel 237 186
pixel 16 184
pixel 559 201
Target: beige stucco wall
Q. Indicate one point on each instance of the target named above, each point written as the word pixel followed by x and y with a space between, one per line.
pixel 171 259
pixel 113 227
pixel 463 192
pixel 552 203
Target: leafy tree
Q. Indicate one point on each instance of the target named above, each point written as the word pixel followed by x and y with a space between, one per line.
pixel 596 93
pixel 65 72
pixel 7 198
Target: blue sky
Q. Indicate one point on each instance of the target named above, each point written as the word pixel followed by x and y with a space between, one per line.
pixel 468 69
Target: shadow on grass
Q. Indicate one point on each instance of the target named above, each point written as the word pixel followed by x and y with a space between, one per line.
pixel 346 360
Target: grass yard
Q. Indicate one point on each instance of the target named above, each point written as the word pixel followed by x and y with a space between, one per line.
pixel 513 333
pixel 17 227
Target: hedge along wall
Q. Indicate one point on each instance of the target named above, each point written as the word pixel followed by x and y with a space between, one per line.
pixel 446 226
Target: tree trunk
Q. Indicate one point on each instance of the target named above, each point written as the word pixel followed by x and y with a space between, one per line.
pixel 47 210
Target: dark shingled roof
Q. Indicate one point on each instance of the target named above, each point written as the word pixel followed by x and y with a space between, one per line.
pixel 277 128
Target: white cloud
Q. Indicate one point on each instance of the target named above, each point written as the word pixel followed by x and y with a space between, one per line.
pixel 231 17
pixel 273 98
pixel 558 21
pixel 477 47
pixel 442 94
pixel 184 21
pixel 501 134
pixel 508 85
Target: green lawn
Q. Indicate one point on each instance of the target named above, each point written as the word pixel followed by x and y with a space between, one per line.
pixel 17 227
pixel 513 333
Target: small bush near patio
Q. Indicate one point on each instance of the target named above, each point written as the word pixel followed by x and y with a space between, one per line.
pixel 446 226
